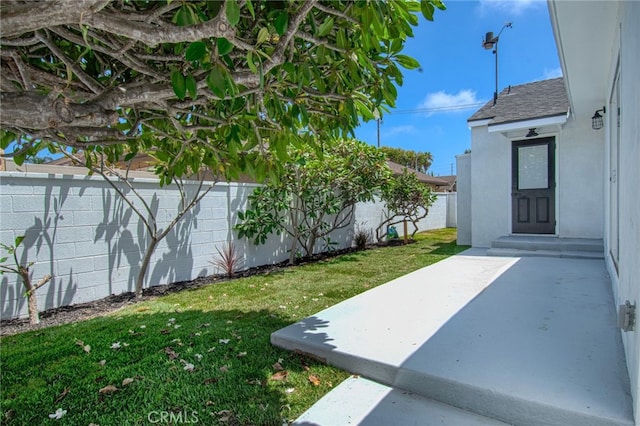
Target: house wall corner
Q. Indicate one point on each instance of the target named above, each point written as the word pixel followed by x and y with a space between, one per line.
pixel 490 186
pixel 463 199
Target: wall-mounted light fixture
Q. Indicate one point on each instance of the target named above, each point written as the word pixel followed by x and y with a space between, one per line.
pixel 627 316
pixel 532 133
pixel 489 42
pixel 596 121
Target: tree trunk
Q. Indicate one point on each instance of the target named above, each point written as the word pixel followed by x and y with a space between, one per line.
pixel 145 266
pixel 34 317
pixel 313 235
pixel 311 243
pixel 32 302
pixel 292 254
pixel 295 234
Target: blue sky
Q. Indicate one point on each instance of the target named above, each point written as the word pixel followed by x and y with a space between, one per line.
pixel 456 71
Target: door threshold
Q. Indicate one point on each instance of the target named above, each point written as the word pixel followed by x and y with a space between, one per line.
pixel 534 235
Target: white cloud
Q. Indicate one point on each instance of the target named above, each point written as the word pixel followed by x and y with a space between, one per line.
pixel 510 7
pixel 398 130
pixel 446 102
pixel 552 73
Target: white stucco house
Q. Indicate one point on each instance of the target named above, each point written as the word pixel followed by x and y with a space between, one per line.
pixel 540 166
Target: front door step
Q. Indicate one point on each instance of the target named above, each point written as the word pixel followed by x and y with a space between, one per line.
pixel 538 246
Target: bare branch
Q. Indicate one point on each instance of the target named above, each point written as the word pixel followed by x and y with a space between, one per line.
pixel 337 13
pixel 20 42
pixel 42 282
pixel 114 51
pixel 278 56
pixel 93 85
pixel 319 42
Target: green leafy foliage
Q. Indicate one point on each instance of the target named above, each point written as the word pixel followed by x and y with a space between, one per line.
pixel 179 84
pixel 315 195
pixel 191 86
pixel 428 8
pixel 233 83
pixel 224 46
pixel 233 12
pixel 195 51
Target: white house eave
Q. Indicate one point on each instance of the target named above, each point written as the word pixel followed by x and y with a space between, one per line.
pixel 551 5
pixel 557 120
pixel 478 123
pixel 585 54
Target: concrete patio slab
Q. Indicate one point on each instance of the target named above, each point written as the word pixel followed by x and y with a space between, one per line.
pixel 523 340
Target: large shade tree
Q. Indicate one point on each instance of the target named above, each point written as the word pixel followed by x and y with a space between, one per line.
pixel 214 83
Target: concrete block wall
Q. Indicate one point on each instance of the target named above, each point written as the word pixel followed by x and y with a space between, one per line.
pixel 438 214
pixel 78 230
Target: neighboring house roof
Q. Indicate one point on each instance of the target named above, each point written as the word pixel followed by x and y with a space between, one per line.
pixel 140 161
pixel 451 182
pixel 398 169
pixel 143 161
pixel 141 164
pixel 540 99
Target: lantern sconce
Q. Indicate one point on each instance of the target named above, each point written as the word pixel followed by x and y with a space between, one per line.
pixel 596 121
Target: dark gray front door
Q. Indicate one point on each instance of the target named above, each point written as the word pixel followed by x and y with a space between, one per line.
pixel 533 186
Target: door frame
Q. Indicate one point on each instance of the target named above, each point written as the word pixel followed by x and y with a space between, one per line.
pixel 556 177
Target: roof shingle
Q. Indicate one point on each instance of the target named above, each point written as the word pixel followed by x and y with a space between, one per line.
pixel 529 101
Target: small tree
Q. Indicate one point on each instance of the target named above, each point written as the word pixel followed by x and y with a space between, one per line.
pixel 315 196
pixel 120 180
pixel 406 199
pixel 23 272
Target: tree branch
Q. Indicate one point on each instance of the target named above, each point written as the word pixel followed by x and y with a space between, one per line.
pixel 31 16
pixel 93 85
pixel 34 111
pixel 337 13
pixel 318 42
pixel 153 35
pixel 42 282
pixel 278 55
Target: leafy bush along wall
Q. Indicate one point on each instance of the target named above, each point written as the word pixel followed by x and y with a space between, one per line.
pixel 78 231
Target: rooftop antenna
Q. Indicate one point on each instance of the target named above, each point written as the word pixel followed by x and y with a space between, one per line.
pixel 489 42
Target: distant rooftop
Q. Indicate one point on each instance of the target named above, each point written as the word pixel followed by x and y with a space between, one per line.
pixel 398 169
pixel 540 99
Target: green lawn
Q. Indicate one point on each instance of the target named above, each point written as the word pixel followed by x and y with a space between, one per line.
pixel 200 356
